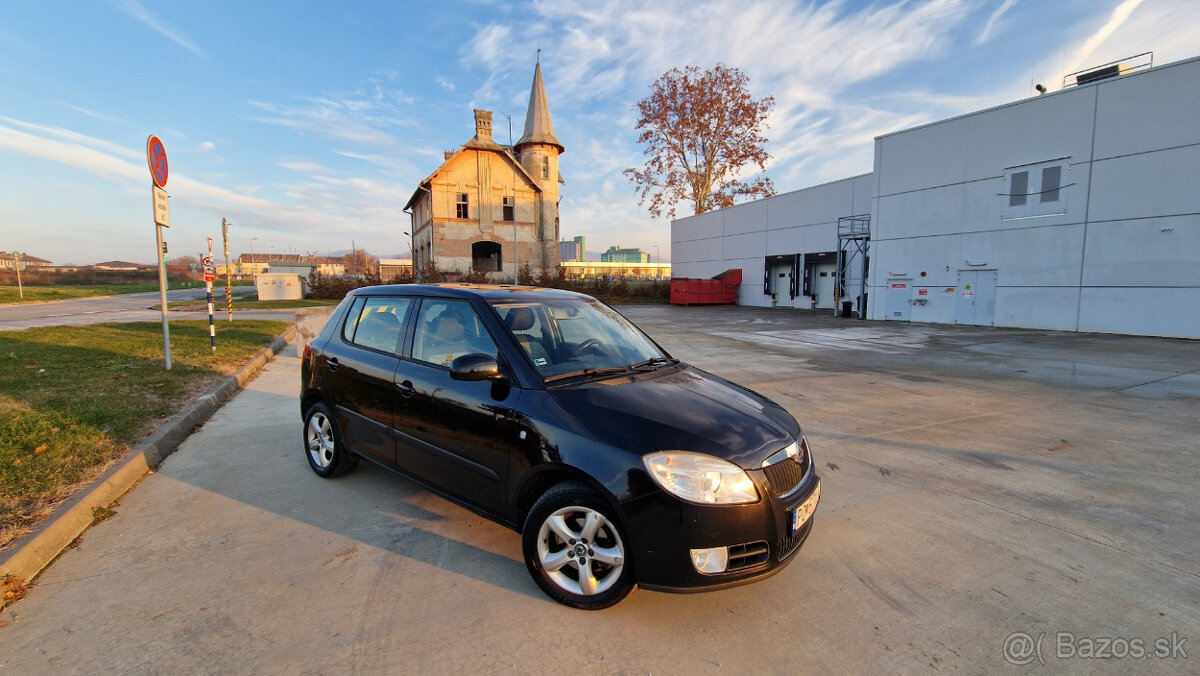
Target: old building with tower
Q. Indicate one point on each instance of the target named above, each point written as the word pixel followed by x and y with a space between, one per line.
pixel 492 208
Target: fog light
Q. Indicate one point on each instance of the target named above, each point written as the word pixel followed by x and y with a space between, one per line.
pixel 710 561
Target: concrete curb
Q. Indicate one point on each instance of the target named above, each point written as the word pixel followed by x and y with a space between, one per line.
pixel 30 554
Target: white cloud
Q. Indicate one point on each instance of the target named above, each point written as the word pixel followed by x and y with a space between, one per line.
pixel 1165 27
pixel 806 55
pixel 315 208
pixel 491 44
pixel 135 9
pixel 92 155
pixel 394 162
pixel 994 23
pixel 365 115
pixel 74 137
pixel 324 118
pixel 95 115
pixel 1119 16
pixel 302 166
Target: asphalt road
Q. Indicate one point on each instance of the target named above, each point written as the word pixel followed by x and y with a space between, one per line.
pixel 132 307
pixel 990 498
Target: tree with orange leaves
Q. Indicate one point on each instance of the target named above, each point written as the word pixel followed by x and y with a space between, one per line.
pixel 701 130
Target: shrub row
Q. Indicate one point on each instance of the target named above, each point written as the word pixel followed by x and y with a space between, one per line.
pixel 609 291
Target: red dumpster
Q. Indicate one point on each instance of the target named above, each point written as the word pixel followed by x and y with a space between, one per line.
pixel 720 290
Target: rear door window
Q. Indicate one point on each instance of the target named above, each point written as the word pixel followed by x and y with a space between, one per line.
pixel 378 323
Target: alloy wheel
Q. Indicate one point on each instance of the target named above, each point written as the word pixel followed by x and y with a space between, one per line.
pixel 321 444
pixel 580 550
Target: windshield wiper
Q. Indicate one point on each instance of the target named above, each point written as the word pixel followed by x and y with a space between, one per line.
pixel 654 362
pixel 588 373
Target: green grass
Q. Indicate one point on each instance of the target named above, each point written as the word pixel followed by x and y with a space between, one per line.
pixel 12 294
pixel 75 398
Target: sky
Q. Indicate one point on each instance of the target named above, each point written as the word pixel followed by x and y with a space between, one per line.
pixel 309 124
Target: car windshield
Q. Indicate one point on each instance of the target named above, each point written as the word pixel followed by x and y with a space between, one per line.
pixel 577 337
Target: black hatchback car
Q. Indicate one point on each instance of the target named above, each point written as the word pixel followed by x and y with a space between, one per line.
pixel 550 413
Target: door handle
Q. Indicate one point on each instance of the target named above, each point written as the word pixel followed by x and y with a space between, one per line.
pixel 406 389
pixel 333 364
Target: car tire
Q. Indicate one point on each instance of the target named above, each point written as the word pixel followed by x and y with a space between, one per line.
pixel 323 445
pixel 568 525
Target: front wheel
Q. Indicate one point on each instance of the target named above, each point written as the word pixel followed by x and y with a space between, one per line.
pixel 574 549
pixel 327 454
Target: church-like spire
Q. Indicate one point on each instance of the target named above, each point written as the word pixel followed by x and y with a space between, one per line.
pixel 538 128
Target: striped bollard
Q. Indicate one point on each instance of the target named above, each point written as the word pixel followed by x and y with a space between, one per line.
pixel 210 274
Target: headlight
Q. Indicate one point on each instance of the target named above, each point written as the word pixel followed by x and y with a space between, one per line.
pixel 699 478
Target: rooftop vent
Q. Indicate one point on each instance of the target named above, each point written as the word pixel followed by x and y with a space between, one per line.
pixel 1100 73
pixel 1109 70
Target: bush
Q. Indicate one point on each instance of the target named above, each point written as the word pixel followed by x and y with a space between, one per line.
pixel 610 291
pixel 336 287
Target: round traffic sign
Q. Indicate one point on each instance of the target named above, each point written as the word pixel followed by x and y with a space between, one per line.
pixel 156 158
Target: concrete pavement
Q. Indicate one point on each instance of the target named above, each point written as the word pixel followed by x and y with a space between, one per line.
pixel 979 485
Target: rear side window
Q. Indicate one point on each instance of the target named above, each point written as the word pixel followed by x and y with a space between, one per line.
pixel 377 323
pixel 352 318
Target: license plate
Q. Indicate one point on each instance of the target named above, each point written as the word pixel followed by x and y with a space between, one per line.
pixel 804 512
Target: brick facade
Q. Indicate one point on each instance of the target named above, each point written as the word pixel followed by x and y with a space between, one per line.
pixel 487 199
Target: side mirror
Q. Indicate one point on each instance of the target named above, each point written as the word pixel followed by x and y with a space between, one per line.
pixel 475 366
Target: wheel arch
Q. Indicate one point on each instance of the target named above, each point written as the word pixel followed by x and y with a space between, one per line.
pixel 539 480
pixel 310 397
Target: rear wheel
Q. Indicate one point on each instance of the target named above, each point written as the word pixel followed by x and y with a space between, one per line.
pixel 575 550
pixel 323 444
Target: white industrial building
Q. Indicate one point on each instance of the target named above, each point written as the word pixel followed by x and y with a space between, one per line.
pixel 1077 210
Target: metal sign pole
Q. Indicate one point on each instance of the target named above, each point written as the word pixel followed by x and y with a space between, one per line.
pixel 17 263
pixel 156 160
pixel 162 293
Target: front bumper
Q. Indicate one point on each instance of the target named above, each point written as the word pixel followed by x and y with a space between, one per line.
pixel 663 529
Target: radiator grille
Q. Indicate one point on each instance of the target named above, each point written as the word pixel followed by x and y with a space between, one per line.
pixel 787 474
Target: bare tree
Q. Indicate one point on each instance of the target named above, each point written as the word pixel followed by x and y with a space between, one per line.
pixel 184 267
pixel 701 130
pixel 359 262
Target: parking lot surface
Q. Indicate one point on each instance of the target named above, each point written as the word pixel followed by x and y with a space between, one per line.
pixel 992 499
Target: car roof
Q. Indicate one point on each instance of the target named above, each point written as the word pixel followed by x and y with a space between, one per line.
pixel 486 292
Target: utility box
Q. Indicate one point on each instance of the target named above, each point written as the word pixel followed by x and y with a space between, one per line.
pixel 720 290
pixel 279 286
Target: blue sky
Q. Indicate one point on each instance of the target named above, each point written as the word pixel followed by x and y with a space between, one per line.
pixel 309 124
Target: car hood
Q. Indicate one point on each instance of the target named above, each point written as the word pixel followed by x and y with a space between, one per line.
pixel 685 410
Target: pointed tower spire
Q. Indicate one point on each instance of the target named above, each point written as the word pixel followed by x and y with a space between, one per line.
pixel 538 128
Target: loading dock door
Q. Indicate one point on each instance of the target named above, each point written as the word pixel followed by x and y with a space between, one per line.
pixel 899 299
pixel 780 277
pixel 824 278
pixel 976 303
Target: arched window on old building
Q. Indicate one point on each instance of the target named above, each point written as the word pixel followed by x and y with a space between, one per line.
pixel 485 257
